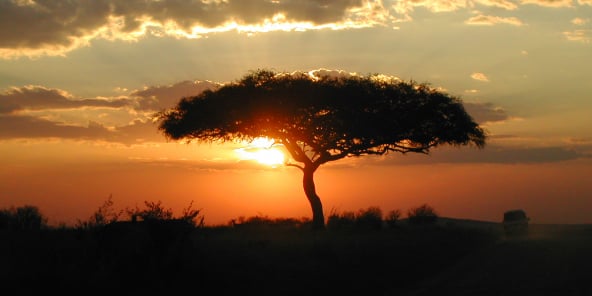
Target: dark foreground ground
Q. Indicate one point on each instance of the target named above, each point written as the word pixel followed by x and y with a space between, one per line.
pixel 454 257
pixel 551 260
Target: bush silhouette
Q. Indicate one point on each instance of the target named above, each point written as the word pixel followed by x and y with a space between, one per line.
pixel 392 218
pixel 346 219
pixel 370 218
pixel 367 219
pixel 104 215
pixel 25 217
pixel 422 215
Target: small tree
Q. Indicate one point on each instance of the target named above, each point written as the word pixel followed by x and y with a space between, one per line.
pixel 104 215
pixel 392 218
pixel 422 215
pixel 25 217
pixel 323 119
pixel 153 211
pixel 191 215
pixel 370 218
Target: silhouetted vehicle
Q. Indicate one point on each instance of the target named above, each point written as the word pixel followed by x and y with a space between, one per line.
pixel 516 223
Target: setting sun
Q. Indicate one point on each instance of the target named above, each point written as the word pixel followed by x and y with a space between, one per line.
pixel 262 150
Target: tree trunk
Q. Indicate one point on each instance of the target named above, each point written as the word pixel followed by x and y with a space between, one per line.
pixel 318 218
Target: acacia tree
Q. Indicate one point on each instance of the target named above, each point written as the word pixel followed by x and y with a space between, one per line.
pixel 323 119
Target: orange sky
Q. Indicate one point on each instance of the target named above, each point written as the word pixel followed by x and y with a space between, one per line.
pixel 68 187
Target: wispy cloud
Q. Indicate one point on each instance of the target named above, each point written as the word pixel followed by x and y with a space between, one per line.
pixel 39 97
pixel 578 21
pixel 549 3
pixel 508 5
pixel 488 20
pixel 486 112
pixel 578 35
pixel 162 97
pixel 480 77
pixel 491 154
pixel 28 127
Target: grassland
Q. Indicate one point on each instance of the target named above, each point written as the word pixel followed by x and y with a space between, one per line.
pixel 450 257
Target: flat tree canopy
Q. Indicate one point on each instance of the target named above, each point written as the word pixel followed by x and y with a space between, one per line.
pixel 322 119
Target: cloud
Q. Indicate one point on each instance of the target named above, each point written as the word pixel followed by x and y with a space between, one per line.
pixel 156 98
pixel 487 20
pixel 42 112
pixel 486 112
pixel 18 127
pixel 492 154
pixel 59 26
pixel 54 28
pixel 480 76
pixel 549 3
pixel 38 97
pixel 498 154
pixel 578 35
pixel 508 5
pixel 405 7
pixel 28 127
pixel 579 21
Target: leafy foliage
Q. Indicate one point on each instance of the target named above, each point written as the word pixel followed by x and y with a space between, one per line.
pixel 334 117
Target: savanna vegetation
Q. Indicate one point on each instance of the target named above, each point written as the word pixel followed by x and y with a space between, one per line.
pixel 150 250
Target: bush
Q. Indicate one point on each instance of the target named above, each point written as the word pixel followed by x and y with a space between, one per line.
pixel 392 218
pixel 22 218
pixel 341 221
pixel 153 211
pixel 370 218
pixel 264 222
pixel 104 215
pixel 422 215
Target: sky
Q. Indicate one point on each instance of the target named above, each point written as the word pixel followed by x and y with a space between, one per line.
pixel 81 80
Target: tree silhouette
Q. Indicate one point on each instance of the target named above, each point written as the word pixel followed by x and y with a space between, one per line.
pixel 323 119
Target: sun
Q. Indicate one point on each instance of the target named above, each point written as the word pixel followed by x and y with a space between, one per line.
pixel 263 151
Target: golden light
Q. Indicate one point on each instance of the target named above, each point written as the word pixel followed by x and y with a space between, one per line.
pixel 263 151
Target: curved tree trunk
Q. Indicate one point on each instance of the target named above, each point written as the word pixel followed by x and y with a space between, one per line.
pixel 318 218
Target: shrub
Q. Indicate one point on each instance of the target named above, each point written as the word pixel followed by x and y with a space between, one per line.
pixel 26 217
pixel 153 211
pixel 370 218
pixel 422 215
pixel 392 218
pixel 341 221
pixel 191 216
pixel 264 222
pixel 104 215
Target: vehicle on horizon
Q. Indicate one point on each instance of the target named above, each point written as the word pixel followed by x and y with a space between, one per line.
pixel 515 223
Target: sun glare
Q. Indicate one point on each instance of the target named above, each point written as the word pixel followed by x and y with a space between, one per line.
pixel 263 151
